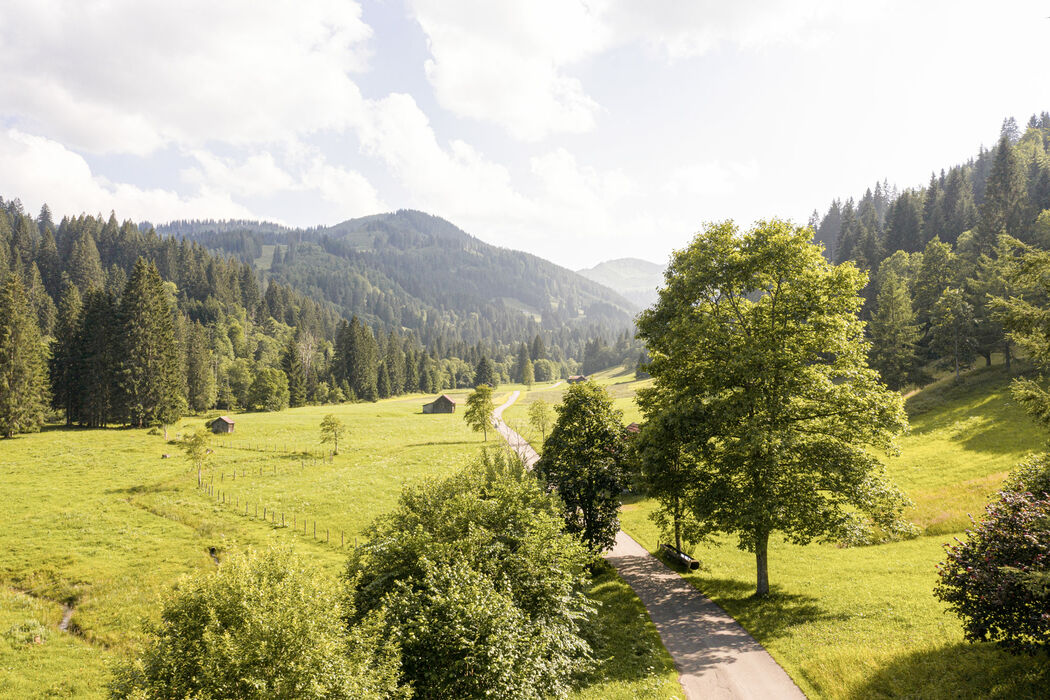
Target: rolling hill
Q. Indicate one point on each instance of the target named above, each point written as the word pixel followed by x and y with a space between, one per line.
pixel 410 270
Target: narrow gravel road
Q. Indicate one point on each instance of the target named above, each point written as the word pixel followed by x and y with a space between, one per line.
pixel 716 657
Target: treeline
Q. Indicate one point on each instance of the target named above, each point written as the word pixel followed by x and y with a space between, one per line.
pixel 109 323
pixel 409 270
pixel 936 254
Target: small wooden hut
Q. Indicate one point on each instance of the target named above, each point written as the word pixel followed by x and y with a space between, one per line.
pixel 222 424
pixel 442 404
pixel 577 378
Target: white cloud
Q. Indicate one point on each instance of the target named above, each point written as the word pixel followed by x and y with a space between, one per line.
pixel 129 76
pixel 512 63
pixel 38 170
pixel 504 62
pixel 259 175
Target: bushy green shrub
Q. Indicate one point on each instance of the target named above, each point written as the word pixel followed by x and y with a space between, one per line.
pixel 265 625
pixel 998 579
pixel 482 588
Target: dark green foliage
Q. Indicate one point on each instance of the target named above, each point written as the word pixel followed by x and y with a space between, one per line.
pixel 269 390
pixel 292 365
pixel 150 384
pixel 65 359
pixel 23 362
pixel 482 588
pixel 585 460
pixel 894 333
pixel 200 376
pixel 478 413
pixel 99 352
pixel 996 578
pixel 265 625
pixel 485 373
pixel 1005 198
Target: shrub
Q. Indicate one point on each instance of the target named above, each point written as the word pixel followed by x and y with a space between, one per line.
pixel 483 590
pixel 265 625
pixel 997 579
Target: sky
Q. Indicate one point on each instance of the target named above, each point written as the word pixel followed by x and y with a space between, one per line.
pixel 577 131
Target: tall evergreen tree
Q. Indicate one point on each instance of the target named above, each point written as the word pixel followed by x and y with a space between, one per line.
pixel 519 363
pixel 201 390
pixel 538 351
pixel 1005 198
pixel 85 266
pixel 485 373
pixel 98 361
pixel 894 333
pixel 953 329
pixel 293 369
pixel 23 363
pixel 150 370
pixel 65 354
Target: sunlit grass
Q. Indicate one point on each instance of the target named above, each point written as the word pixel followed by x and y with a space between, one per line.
pixel 101 520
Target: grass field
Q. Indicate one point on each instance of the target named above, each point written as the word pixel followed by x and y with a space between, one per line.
pixel 862 622
pixel 97 519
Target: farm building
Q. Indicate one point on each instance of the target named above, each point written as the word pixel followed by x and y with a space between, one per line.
pixel 442 404
pixel 222 424
pixel 634 428
pixel 577 378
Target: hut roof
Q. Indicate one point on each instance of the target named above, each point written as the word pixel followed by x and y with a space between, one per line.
pixel 447 398
pixel 225 419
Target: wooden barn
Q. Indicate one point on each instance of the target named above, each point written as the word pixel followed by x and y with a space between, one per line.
pixel 577 378
pixel 222 424
pixel 442 404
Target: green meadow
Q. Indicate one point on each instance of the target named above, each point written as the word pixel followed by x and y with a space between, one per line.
pixel 99 520
pixel 862 622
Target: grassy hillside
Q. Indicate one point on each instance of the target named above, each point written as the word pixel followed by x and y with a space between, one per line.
pixel 863 622
pixel 99 520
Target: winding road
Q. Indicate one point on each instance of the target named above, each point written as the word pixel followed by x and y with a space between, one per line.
pixel 716 658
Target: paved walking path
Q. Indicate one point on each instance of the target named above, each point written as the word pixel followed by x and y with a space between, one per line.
pixel 716 657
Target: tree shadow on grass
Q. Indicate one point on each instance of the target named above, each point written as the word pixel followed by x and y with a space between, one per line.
pixel 139 489
pixel 765 618
pixel 961 671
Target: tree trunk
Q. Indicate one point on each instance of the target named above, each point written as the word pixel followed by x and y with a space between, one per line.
pixel 762 565
pixel 677 527
pixel 956 358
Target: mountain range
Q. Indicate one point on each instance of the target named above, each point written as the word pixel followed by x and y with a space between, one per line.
pixel 634 279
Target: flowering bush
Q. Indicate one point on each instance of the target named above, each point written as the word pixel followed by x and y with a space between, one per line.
pixel 996 580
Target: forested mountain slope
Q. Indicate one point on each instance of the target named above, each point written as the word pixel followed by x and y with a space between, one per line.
pixel 635 279
pixel 413 271
pixel 939 255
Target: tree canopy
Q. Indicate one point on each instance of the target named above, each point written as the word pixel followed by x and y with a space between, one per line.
pixel 756 342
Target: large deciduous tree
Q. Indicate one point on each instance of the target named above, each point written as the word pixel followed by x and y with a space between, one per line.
pixel 756 341
pixel 585 459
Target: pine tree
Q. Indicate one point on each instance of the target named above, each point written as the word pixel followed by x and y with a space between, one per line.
pixel 293 369
pixel 1005 198
pixel 85 266
pixel 23 363
pixel 528 374
pixel 383 382
pixel 201 388
pixel 485 373
pixel 932 211
pixel 538 350
pixel 894 333
pixel 65 354
pixel 519 363
pixel 150 370
pixel 97 368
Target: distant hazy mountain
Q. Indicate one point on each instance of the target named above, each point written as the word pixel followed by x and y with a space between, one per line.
pixel 636 280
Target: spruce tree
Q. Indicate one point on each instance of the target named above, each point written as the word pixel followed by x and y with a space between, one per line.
pixel 1005 198
pixel 97 362
pixel 201 390
pixel 23 363
pixel 519 364
pixel 65 354
pixel 85 266
pixel 538 350
pixel 293 369
pixel 894 333
pixel 150 372
pixel 953 329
